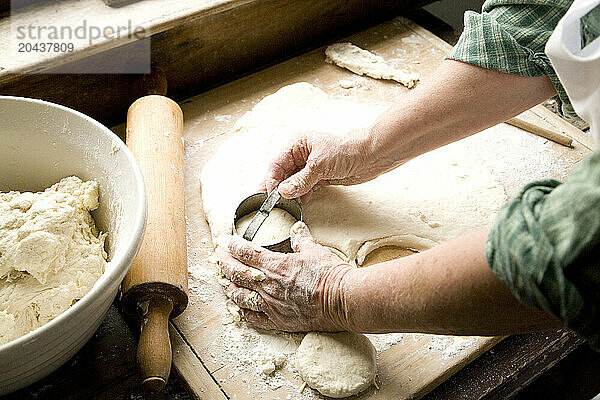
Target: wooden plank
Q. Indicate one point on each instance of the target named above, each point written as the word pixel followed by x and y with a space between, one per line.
pixel 150 17
pixel 186 364
pixel 6 5
pixel 417 363
pixel 513 364
pixel 198 44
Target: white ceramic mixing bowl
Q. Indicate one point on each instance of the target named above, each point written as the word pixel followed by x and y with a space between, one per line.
pixel 41 143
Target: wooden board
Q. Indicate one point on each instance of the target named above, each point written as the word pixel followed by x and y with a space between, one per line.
pixel 149 17
pixel 137 21
pixel 409 368
pixel 199 45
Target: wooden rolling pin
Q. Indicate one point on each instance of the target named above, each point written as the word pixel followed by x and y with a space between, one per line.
pixel 555 136
pixel 155 289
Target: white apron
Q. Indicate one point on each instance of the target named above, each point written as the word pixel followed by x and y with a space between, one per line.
pixel 578 68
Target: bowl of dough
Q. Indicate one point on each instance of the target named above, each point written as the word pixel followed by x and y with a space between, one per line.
pixel 72 218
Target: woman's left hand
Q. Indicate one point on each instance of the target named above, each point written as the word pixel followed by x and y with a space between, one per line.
pixel 300 291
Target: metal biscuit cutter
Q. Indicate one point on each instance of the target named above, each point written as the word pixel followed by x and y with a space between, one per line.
pixel 263 204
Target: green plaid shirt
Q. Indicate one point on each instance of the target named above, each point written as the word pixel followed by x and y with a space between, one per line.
pixel 510 36
pixel 545 243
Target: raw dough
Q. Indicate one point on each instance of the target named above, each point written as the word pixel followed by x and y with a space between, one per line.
pixel 275 228
pixel 337 364
pixel 363 62
pixel 431 199
pixel 51 253
pixel 346 84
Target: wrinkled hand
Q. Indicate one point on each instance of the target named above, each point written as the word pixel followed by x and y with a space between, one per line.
pixel 312 159
pixel 298 291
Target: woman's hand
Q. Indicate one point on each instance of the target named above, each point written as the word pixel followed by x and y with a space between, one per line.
pixel 458 100
pixel 300 291
pixel 312 159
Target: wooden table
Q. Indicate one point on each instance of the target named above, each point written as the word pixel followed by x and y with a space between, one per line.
pixel 115 377
pixel 406 370
pixel 105 368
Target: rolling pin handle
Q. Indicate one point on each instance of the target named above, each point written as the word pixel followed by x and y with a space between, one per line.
pixel 154 348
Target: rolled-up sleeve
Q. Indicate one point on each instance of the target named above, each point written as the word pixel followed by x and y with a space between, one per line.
pixel 510 36
pixel 545 246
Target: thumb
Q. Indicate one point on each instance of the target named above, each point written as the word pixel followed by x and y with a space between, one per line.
pixel 300 183
pixel 300 237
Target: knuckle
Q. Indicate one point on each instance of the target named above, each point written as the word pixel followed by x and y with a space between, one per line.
pixel 300 181
pixel 287 261
pixel 226 269
pixel 256 254
pixel 237 251
pixel 298 138
pixel 233 246
pixel 277 167
pixel 312 165
pixel 238 276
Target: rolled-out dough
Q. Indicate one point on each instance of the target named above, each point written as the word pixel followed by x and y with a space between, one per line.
pixel 363 62
pixel 51 254
pixel 431 199
pixel 275 228
pixel 337 364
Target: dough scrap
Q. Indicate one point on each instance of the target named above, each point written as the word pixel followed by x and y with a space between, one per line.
pixel 51 253
pixel 337 364
pixel 450 185
pixel 363 62
pixel 275 228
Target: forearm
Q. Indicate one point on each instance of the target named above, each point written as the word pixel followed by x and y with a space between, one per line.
pixel 446 290
pixel 457 101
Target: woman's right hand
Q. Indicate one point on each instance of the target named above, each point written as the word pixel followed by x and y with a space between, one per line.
pixel 314 158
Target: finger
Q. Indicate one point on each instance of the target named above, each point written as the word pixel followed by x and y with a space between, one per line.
pixel 242 297
pixel 272 183
pixel 240 274
pixel 301 182
pixel 283 165
pixel 251 254
pixel 258 319
pixel 305 198
pixel 300 237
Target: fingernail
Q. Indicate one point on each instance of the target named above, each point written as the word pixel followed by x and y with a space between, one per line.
pixel 256 275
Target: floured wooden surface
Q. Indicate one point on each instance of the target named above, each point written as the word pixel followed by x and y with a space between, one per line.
pixel 409 364
pixel 431 199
